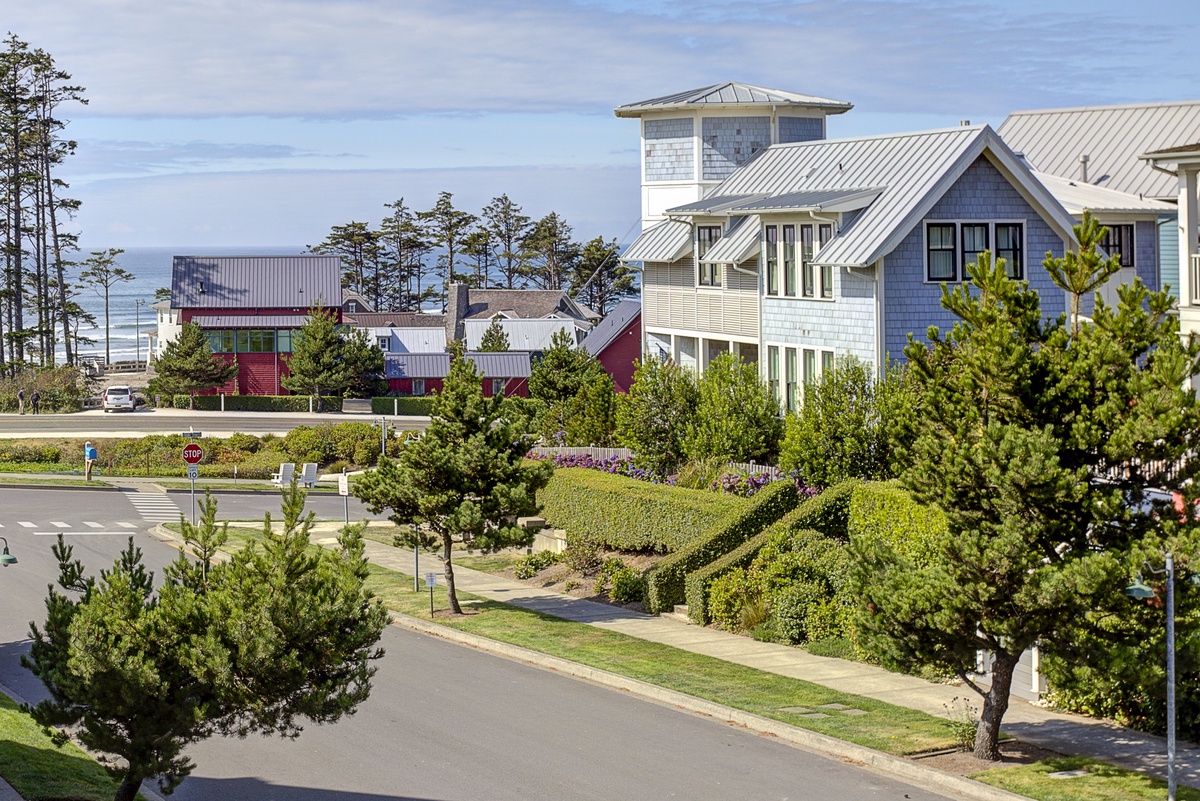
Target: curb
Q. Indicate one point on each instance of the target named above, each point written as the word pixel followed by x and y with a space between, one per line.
pixel 60 487
pixel 923 776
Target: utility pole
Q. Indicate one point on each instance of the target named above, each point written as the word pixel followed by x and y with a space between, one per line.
pixel 137 334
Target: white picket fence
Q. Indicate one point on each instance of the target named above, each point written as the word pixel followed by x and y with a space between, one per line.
pixel 625 453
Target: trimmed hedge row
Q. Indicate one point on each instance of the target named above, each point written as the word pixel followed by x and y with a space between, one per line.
pixel 828 513
pixel 628 515
pixel 884 512
pixel 665 581
pixel 417 406
pixel 257 403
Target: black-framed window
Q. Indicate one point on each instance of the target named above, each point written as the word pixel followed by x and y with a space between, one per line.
pixel 706 237
pixel 940 251
pixel 1119 242
pixel 771 237
pixel 806 259
pixel 974 242
pixel 825 233
pixel 789 260
pixel 1009 246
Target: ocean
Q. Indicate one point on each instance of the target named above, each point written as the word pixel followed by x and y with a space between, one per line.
pixel 151 268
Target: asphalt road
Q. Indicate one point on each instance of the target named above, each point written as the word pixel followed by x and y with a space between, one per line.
pixel 96 423
pixel 443 722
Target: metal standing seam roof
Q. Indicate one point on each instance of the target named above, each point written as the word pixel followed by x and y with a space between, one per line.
pixel 1077 197
pixel 912 170
pixel 413 340
pixel 1113 137
pixel 249 282
pixel 666 241
pixel 732 93
pixel 715 205
pixel 611 326
pixel 250 320
pixel 394 319
pixel 812 200
pixel 739 243
pixel 523 335
pixel 437 365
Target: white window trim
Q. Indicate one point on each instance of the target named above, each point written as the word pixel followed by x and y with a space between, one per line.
pixel 960 272
pixel 818 274
pixel 799 347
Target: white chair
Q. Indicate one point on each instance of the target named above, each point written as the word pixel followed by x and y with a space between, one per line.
pixel 308 475
pixel 284 477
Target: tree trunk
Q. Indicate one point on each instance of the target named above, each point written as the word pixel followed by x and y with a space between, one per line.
pixel 995 704
pixel 129 788
pixel 107 353
pixel 447 543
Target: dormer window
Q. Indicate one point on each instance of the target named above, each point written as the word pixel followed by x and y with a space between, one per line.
pixel 706 237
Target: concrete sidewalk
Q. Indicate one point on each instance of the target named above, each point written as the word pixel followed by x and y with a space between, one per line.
pixel 1064 733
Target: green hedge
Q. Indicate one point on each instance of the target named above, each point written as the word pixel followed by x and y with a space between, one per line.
pixel 262 403
pixel 885 512
pixel 417 406
pixel 665 581
pixel 625 514
pixel 827 513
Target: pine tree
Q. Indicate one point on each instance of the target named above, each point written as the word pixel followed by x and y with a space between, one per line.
pixel 102 275
pixel 601 279
pixel 230 647
pixel 508 227
pixel 466 478
pixel 562 371
pixel 366 363
pixel 1080 272
pixel 550 252
pixel 1039 444
pixel 316 365
pixel 187 365
pixel 495 339
pixel 447 227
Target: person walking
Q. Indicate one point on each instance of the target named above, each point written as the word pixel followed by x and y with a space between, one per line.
pixel 20 401
pixel 33 399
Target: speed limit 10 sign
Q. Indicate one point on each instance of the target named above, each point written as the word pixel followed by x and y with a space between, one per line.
pixel 192 453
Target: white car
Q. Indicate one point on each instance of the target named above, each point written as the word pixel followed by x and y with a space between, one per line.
pixel 118 398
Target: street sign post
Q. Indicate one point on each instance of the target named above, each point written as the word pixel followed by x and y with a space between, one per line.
pixel 344 491
pixel 192 454
pixel 431 582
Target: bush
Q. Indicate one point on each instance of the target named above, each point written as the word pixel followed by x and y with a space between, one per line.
pixel 419 406
pixel 530 565
pixel 16 452
pixel 827 513
pixel 263 403
pixel 61 389
pixel 665 582
pixel 182 401
pixel 581 556
pixel 885 513
pixel 309 444
pixel 623 583
pixel 243 442
pixel 728 595
pixel 627 515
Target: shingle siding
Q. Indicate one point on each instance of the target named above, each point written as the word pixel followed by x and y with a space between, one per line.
pixel 729 142
pixel 847 325
pixel 981 193
pixel 801 129
pixel 1145 241
pixel 670 149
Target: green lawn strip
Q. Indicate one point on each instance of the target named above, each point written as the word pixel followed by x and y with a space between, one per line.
pixel 54 482
pixel 1106 782
pixel 490 562
pixel 886 727
pixel 248 484
pixel 38 769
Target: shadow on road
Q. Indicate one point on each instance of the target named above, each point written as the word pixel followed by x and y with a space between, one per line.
pixel 252 789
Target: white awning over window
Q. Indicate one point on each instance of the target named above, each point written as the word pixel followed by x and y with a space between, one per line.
pixel 739 243
pixel 668 241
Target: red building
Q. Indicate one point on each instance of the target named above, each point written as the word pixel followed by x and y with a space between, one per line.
pixel 251 308
pixel 424 373
pixel 617 342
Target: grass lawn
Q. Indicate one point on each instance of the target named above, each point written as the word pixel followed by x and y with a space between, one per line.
pixel 1106 782
pixel 36 768
pixel 489 562
pixel 245 484
pixel 55 482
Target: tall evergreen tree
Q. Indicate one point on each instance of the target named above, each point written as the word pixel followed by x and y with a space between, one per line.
pixel 1039 444
pixel 101 273
pixel 550 252
pixel 188 365
pixel 366 363
pixel 447 228
pixel 405 245
pixel 358 248
pixel 563 370
pixel 495 340
pixel 508 227
pixel 601 279
pixel 221 647
pixel 466 479
pixel 316 365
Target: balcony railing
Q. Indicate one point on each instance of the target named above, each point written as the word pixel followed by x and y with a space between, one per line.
pixel 1195 276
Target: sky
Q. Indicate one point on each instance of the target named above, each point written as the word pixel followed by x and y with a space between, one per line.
pixel 218 123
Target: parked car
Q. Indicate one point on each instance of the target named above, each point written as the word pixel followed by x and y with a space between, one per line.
pixel 118 397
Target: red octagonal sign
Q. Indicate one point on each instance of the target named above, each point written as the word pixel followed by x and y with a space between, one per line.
pixel 193 453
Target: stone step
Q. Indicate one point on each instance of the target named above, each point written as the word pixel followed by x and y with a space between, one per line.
pixel 679 613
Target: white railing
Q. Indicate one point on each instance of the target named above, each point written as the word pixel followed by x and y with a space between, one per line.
pixel 1195 278
pixel 595 453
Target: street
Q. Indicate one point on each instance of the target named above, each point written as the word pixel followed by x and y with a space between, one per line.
pixel 97 423
pixel 443 721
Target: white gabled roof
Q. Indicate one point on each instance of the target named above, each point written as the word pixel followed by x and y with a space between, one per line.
pixel 738 244
pixel 910 171
pixel 1112 137
pixel 667 241
pixel 1077 198
pixel 732 93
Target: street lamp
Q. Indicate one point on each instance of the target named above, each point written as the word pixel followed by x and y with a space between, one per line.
pixel 137 333
pixel 1139 589
pixel 6 558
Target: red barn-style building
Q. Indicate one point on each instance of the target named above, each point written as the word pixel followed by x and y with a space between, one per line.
pixel 424 373
pixel 251 308
pixel 617 342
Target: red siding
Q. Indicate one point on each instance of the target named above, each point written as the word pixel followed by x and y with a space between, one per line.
pixel 622 352
pixel 186 315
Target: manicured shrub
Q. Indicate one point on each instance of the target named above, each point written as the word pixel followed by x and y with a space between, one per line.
pixel 665 582
pixel 530 565
pixel 263 403
pixel 628 515
pixel 309 444
pixel 419 406
pixel 885 513
pixel 622 582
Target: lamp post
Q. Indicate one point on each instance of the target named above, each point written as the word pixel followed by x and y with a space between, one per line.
pixel 1139 589
pixel 6 558
pixel 137 333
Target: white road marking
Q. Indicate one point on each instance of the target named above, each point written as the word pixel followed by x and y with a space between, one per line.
pixel 90 524
pixel 127 525
pixel 58 523
pixel 81 533
pixel 26 524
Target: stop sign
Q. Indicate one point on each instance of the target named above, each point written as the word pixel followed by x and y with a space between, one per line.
pixel 192 453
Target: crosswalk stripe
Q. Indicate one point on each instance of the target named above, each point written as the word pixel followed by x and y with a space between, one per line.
pixel 127 525
pixel 81 533
pixel 26 524
pixel 58 523
pixel 90 524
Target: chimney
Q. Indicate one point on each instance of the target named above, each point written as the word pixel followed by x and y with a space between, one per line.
pixel 964 123
pixel 1083 164
pixel 456 309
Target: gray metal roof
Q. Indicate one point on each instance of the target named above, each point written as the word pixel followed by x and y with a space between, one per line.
pixel 714 205
pixel 667 241
pixel 250 320
pixel 739 243
pixel 524 303
pixel 912 170
pixel 611 326
pixel 249 282
pixel 732 93
pixel 412 340
pixel 1078 197
pixel 527 335
pixel 1112 137
pixel 394 319
pixel 811 200
pixel 437 365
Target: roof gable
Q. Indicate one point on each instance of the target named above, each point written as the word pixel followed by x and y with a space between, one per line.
pixel 732 93
pixel 255 282
pixel 608 329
